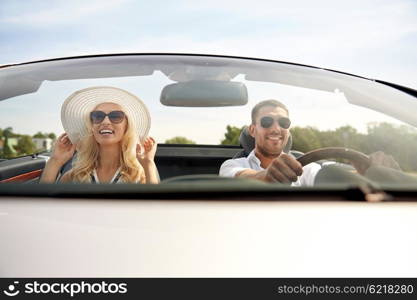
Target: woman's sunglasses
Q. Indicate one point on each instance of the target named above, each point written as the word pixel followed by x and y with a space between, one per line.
pixel 115 116
pixel 283 122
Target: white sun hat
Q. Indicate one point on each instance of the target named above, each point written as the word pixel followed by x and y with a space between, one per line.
pixel 75 111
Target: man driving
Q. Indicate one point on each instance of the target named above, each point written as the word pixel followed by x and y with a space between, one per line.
pixel 268 162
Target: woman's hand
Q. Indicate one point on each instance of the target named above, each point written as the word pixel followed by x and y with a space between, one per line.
pixel 62 152
pixel 146 153
pixel 63 149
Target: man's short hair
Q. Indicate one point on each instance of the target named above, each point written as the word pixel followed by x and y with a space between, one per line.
pixel 272 102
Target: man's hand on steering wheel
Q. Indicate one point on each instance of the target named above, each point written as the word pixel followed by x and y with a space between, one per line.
pixel 284 169
pixel 379 158
pixel 360 161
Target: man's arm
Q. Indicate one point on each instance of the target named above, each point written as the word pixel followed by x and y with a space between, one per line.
pixel 284 168
pixel 252 174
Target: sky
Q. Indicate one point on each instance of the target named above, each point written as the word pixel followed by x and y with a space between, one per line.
pixel 371 38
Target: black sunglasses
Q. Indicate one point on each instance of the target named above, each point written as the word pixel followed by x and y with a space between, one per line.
pixel 115 116
pixel 283 122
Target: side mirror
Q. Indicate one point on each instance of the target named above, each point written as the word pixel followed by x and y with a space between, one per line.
pixel 204 93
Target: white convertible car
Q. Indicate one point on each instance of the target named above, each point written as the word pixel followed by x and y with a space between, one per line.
pixel 196 223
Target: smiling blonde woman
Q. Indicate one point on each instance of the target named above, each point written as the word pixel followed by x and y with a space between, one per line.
pixel 108 127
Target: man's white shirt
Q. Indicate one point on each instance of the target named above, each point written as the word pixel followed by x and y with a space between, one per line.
pixel 232 166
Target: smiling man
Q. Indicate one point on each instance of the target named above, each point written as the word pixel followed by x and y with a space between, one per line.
pixel 268 162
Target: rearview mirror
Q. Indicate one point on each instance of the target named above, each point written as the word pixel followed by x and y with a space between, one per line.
pixel 204 93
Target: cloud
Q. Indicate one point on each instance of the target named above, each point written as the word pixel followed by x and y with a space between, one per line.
pixel 360 37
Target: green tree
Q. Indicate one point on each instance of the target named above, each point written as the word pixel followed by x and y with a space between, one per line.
pixel 7 151
pixel 344 136
pixel 25 145
pixel 305 139
pixel 395 140
pixel 398 141
pixel 8 132
pixel 39 135
pixel 52 136
pixel 179 140
pixel 231 137
pixel 349 137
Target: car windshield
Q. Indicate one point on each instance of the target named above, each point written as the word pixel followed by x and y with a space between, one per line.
pixel 199 105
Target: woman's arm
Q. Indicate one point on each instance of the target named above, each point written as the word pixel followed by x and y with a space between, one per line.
pixel 51 170
pixel 151 172
pixel 66 178
pixel 62 152
pixel 146 159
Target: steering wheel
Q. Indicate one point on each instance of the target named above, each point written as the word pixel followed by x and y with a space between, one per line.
pixel 359 160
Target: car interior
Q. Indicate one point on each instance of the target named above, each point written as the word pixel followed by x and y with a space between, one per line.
pixel 172 160
pixel 207 83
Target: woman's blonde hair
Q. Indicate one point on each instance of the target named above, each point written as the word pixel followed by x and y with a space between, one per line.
pixel 88 156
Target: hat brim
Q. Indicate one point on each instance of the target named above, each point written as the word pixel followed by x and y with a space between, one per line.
pixel 76 109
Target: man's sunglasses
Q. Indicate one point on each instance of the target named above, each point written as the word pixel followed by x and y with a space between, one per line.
pixel 115 116
pixel 283 122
